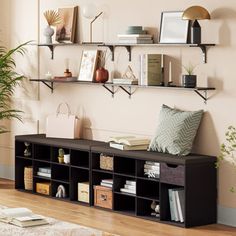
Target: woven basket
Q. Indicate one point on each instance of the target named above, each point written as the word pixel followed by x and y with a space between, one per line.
pixel 28 177
pixel 106 162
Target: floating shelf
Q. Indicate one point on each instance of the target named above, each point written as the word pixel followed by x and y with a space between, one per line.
pixel 129 47
pixel 129 89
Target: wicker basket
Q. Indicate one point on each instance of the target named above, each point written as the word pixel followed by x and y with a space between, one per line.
pixel 106 162
pixel 28 177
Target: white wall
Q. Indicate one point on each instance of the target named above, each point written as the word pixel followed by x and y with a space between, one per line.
pixel 105 115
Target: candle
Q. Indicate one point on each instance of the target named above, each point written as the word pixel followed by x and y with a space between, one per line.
pixel 48 75
pixel 170 72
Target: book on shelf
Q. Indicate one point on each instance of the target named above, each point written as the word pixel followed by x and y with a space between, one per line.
pixel 152 171
pixel 124 190
pixel 106 185
pixel 152 163
pixel 125 81
pixel 45 170
pixel 21 217
pixel 151 167
pixel 152 69
pixel 130 182
pixel 136 41
pixel 177 214
pixel 180 203
pixel 107 181
pixel 64 78
pixel 141 36
pixel 128 147
pixel 129 140
pixel 43 174
pixel 171 202
pixel 131 187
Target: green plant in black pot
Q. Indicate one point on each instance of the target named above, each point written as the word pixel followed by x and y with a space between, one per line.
pixel 189 80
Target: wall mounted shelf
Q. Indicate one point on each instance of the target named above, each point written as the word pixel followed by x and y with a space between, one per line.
pixel 201 91
pixel 129 47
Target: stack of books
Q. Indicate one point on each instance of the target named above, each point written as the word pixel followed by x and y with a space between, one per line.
pixel 107 183
pixel 21 217
pixel 44 171
pixel 129 187
pixel 176 200
pixel 129 143
pixel 135 35
pixel 152 169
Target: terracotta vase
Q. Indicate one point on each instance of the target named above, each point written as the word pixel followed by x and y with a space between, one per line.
pixel 102 75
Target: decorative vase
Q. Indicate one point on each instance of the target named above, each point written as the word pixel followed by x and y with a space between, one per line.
pixel 61 160
pixel 189 81
pixel 48 33
pixel 102 75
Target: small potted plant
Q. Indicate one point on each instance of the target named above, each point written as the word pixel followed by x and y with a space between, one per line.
pixel 61 155
pixel 189 80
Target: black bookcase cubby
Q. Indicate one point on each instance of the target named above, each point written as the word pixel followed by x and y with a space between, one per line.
pixel 194 174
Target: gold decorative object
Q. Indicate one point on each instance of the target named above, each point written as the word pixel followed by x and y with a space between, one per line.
pixel 195 13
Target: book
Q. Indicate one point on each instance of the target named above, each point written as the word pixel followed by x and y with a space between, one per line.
pixel 125 81
pixel 21 217
pixel 135 36
pixel 151 167
pixel 129 140
pixel 136 41
pixel 151 69
pixel 106 185
pixel 171 202
pixel 180 198
pixel 131 187
pixel 180 213
pixel 43 174
pixel 176 214
pixel 45 170
pixel 152 163
pixel 128 147
pixel 124 190
pixel 130 182
pixel 107 181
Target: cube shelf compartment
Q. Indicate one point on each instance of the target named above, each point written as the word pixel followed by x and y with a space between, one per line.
pixel 196 174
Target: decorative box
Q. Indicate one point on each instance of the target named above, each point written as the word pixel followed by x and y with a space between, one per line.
pixel 28 177
pixel 83 192
pixel 106 162
pixel 43 188
pixel 103 197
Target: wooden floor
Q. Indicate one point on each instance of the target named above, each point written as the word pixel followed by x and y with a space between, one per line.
pixel 103 220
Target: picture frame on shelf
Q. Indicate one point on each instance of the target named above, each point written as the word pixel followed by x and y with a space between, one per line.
pixel 173 29
pixel 66 30
pixel 88 65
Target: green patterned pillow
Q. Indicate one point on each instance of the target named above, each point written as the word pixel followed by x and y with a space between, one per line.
pixel 176 131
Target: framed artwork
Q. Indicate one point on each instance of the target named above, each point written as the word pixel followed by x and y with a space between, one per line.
pixel 88 65
pixel 173 28
pixel 66 30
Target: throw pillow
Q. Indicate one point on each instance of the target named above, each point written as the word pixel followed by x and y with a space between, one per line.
pixel 176 131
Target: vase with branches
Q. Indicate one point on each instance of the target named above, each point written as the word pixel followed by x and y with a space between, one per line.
pixel 102 75
pixel 189 80
pixel 9 79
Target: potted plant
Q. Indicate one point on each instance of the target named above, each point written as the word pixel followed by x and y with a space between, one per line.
pixel 189 80
pixel 61 155
pixel 9 79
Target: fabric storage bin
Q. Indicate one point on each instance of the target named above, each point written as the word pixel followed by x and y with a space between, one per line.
pixel 103 197
pixel 106 162
pixel 83 192
pixel 28 177
pixel 43 188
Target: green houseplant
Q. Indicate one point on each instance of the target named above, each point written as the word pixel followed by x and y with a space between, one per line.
pixel 228 149
pixel 9 79
pixel 189 80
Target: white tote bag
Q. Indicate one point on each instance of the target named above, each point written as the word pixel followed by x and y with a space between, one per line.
pixel 63 125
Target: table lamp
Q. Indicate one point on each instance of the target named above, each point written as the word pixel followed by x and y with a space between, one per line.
pixel 89 11
pixel 194 14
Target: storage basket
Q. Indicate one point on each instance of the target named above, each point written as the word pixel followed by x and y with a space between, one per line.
pixel 28 177
pixel 106 162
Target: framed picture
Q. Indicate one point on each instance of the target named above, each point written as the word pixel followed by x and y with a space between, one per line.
pixel 173 28
pixel 66 30
pixel 88 65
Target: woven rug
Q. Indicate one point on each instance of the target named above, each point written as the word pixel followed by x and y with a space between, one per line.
pixel 54 228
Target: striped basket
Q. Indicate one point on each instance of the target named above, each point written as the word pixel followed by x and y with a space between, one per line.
pixel 28 177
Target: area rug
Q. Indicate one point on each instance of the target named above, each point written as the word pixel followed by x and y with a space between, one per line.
pixel 54 228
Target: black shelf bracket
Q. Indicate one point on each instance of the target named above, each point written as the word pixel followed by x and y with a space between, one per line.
pixel 49 85
pixel 129 91
pixel 203 96
pixel 110 90
pixel 128 48
pixel 51 47
pixel 112 49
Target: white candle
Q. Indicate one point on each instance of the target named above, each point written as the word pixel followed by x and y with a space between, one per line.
pixel 170 72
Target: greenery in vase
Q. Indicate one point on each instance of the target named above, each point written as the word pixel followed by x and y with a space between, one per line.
pixel 189 69
pixel 228 149
pixel 9 79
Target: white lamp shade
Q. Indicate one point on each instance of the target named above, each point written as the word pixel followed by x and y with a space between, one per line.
pixel 89 11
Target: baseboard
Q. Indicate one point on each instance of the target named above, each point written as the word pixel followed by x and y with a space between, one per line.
pixel 7 172
pixel 226 216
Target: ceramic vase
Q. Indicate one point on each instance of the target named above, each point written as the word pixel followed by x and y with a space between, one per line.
pixel 102 75
pixel 48 33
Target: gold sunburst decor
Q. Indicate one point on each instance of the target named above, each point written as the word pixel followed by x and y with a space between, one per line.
pixel 52 17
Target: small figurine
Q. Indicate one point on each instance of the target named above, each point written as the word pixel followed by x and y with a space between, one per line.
pixel 27 152
pixel 61 155
pixel 61 192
